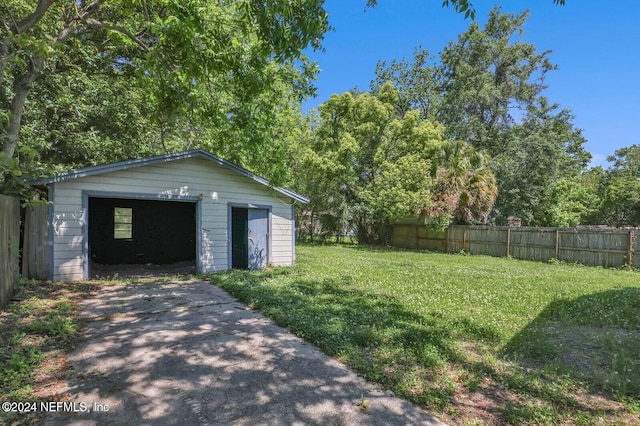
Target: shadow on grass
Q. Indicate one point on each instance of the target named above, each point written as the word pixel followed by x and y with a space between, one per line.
pixel 374 334
pixel 417 355
pixel 595 338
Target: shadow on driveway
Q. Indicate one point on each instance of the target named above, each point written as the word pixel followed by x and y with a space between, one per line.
pixel 188 353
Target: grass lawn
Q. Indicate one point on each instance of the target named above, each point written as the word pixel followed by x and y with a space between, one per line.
pixel 472 339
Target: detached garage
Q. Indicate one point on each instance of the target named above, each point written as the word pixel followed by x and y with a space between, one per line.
pixel 187 207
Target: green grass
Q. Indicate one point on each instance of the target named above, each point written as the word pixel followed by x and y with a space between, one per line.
pixel 540 343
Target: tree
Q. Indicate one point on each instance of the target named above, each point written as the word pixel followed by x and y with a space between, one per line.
pixel 488 79
pixel 416 82
pixel 461 6
pixel 465 187
pixel 573 201
pixel 620 190
pixel 488 90
pixel 538 154
pixel 223 63
pixel 368 167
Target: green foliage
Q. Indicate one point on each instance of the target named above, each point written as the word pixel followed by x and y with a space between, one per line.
pixel 487 88
pixel 540 154
pixel 106 81
pixel 402 189
pixel 465 187
pixel 37 330
pixel 489 77
pixel 56 325
pixel 19 367
pixel 417 84
pixel 572 202
pixel 620 189
pixel 486 76
pixel 460 6
pixel 364 164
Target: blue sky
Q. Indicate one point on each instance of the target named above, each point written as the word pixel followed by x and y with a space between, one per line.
pixel 595 44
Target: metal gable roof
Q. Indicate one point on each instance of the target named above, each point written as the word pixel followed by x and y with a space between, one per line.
pixel 129 164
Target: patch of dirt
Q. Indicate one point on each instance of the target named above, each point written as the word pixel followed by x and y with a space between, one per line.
pixel 482 391
pixel 594 355
pixel 38 301
pixel 50 380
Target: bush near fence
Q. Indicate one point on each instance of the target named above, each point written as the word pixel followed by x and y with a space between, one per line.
pixel 596 246
pixel 9 246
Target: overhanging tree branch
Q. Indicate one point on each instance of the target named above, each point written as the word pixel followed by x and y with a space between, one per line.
pixel 21 88
pixel 80 18
pixel 119 29
pixel 18 27
pixel 32 19
pixel 24 83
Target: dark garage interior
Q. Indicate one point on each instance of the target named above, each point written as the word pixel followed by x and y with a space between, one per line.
pixel 141 231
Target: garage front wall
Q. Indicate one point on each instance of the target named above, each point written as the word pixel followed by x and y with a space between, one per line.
pixel 213 187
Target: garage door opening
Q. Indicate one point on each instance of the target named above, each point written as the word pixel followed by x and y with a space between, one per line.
pixel 141 232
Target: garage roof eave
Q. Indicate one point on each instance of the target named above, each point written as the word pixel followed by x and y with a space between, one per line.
pixel 129 164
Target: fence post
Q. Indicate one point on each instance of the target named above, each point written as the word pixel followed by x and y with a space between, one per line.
pixel 464 239
pixel 630 252
pixel 508 241
pixel 557 243
pixel 9 246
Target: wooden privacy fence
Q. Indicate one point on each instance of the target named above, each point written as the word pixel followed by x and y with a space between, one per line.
pixel 35 248
pixel 9 246
pixel 589 246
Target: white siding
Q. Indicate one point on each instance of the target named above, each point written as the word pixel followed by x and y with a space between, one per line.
pixel 192 177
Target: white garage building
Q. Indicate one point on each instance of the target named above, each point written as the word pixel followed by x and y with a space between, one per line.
pixel 188 206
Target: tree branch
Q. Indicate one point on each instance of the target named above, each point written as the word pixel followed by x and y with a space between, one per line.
pixel 76 21
pixel 19 27
pixel 121 30
pixel 33 18
pixel 23 85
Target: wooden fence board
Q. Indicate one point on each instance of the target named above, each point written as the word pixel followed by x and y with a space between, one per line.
pixel 35 250
pixel 9 246
pixel 598 247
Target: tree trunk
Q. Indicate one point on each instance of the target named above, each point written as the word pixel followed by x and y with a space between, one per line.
pixel 4 59
pixel 24 83
pixel 22 86
pixel 21 89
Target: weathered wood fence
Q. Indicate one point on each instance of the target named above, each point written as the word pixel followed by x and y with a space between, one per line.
pixel 589 246
pixel 9 246
pixel 35 248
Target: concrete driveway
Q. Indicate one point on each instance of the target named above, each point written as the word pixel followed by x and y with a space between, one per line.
pixel 187 353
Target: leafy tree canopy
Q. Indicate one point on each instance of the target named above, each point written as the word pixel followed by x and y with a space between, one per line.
pixel 366 166
pixel 487 89
pixel 619 189
pixel 102 80
pixel 460 6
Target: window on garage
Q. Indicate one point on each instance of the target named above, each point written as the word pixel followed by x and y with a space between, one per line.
pixel 122 223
